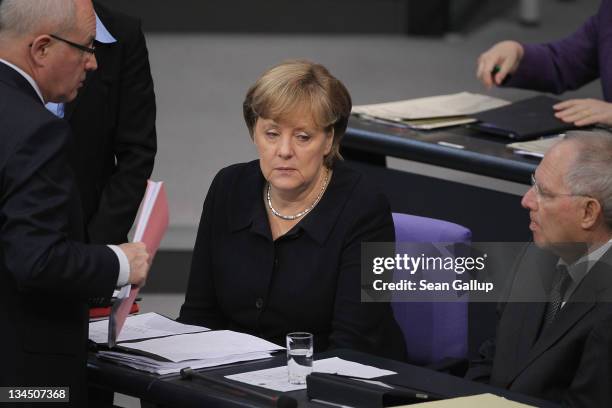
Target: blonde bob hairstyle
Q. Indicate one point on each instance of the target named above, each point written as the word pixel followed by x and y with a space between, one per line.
pixel 295 86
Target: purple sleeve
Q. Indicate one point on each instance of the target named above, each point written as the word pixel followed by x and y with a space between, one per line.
pixel 562 65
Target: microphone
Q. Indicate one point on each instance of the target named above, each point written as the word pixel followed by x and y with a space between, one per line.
pixel 275 401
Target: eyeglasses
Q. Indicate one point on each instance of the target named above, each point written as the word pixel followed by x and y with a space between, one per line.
pixel 540 193
pixel 80 47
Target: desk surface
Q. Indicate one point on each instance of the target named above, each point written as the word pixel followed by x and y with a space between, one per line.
pixel 173 391
pixel 482 154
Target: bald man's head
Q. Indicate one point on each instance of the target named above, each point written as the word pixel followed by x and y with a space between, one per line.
pixel 23 18
pixel 52 41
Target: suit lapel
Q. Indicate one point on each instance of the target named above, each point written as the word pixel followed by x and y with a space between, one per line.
pixel 533 316
pixel 522 316
pixel 582 301
pixel 567 318
pixel 519 341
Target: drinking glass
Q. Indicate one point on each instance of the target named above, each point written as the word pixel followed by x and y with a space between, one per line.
pixel 299 356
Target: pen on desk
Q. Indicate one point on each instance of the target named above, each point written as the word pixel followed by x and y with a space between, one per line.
pixel 416 394
pixel 281 401
pixel 453 145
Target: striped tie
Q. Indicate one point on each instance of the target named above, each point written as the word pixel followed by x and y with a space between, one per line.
pixel 562 281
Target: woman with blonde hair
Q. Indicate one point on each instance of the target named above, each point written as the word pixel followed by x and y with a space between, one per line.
pixel 279 242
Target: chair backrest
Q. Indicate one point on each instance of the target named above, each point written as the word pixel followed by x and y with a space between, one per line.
pixel 432 330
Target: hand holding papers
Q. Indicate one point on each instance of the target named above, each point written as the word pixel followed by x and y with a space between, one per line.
pixel 151 226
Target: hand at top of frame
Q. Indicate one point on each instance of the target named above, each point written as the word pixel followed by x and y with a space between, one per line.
pixel 499 61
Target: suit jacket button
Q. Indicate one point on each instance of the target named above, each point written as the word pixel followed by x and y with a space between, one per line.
pixel 259 303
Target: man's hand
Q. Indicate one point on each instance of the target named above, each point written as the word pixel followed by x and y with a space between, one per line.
pixel 584 112
pixel 499 61
pixel 138 258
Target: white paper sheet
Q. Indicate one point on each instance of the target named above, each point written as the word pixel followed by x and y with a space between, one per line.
pixel 536 148
pixel 277 378
pixel 143 326
pixel 196 346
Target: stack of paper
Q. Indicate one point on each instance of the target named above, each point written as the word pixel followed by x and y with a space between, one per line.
pixel 431 112
pixel 196 350
pixel 535 148
pixel 158 367
pixel 141 327
pixel 473 401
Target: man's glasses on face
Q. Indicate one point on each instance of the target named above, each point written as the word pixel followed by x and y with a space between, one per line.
pixel 543 194
pixel 83 48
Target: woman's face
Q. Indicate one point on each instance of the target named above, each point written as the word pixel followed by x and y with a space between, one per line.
pixel 291 151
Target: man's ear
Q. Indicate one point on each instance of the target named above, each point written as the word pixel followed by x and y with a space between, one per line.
pixel 39 49
pixel 591 212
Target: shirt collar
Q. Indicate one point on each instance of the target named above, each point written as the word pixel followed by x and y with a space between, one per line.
pixel 318 224
pixel 582 266
pixel 102 34
pixel 26 76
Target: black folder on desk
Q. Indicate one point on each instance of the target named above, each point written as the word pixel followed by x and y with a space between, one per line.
pixel 341 390
pixel 522 120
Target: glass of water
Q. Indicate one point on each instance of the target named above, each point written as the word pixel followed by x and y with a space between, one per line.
pixel 299 356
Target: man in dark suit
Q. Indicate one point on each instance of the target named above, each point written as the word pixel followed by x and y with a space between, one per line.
pixel 553 346
pixel 113 124
pixel 45 276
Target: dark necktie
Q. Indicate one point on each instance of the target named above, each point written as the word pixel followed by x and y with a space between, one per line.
pixel 555 300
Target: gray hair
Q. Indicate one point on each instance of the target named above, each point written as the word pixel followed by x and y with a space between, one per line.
pixel 23 17
pixel 591 172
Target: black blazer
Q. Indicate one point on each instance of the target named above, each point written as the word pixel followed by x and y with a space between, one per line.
pixel 45 278
pixel 307 280
pixel 570 361
pixel 113 124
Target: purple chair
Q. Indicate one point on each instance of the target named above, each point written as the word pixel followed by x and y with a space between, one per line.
pixel 433 331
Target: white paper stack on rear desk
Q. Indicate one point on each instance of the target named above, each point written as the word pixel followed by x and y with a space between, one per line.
pixel 431 112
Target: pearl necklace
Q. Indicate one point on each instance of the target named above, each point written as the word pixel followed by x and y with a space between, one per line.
pixel 303 212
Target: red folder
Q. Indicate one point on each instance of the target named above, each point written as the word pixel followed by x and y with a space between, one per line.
pixel 97 312
pixel 153 218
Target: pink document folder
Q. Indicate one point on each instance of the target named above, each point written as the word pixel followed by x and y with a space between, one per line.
pixel 151 225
